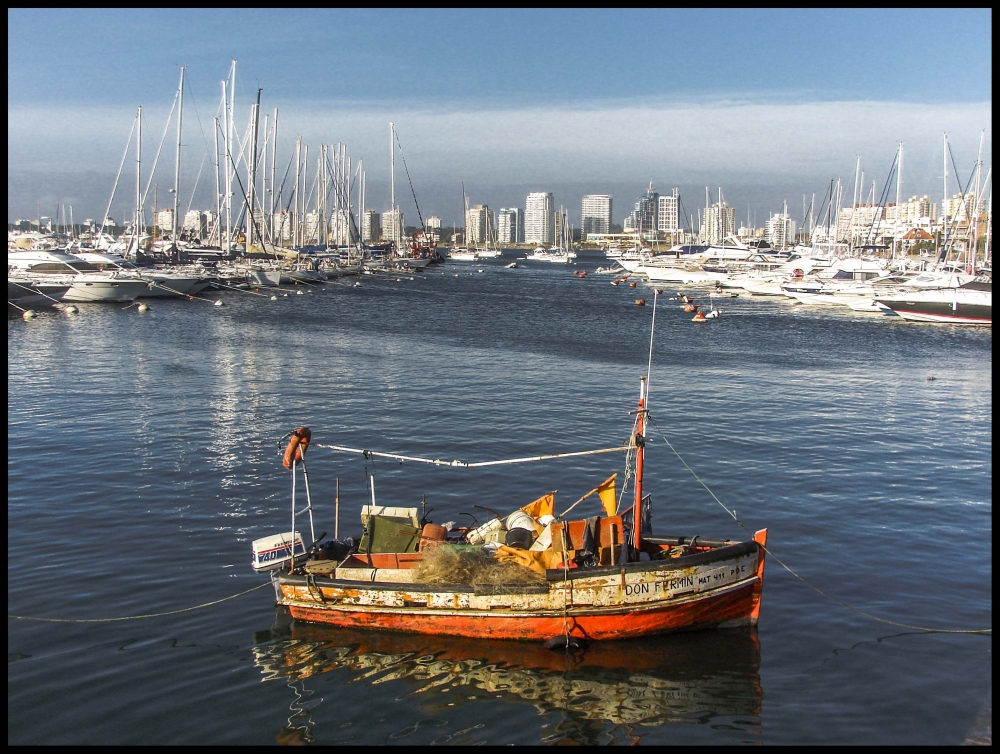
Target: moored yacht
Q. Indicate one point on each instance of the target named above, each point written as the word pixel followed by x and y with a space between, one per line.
pixel 968 304
pixel 163 283
pixel 87 283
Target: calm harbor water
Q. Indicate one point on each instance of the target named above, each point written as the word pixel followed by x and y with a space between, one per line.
pixel 142 461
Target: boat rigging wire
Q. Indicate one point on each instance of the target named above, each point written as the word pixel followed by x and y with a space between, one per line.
pixel 802 579
pixel 138 617
pixel 479 464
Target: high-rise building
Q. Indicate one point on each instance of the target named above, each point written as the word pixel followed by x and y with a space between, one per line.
pixel 283 225
pixel 371 227
pixel 196 222
pixel 479 223
pixel 595 214
pixel 392 225
pixel 538 218
pixel 780 232
pixel 433 223
pixel 510 225
pixel 310 227
pixel 719 222
pixel 340 228
pixel 668 213
pixel 643 217
pixel 165 219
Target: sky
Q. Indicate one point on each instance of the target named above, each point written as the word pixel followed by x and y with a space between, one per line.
pixel 766 106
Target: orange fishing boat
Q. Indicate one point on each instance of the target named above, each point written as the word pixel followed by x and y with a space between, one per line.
pixel 596 578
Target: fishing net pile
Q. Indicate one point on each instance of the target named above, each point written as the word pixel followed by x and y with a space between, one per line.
pixel 452 565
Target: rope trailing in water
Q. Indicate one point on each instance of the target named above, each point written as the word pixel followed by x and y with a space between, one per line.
pixel 139 617
pixel 464 465
pixel 804 580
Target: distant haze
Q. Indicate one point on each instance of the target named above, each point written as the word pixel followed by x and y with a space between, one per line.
pixel 768 105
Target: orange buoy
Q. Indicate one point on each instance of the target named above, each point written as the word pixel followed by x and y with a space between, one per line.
pixel 583 273
pixel 659 291
pixel 690 307
pixel 297 445
pixel 615 282
pixel 699 317
pixel 640 302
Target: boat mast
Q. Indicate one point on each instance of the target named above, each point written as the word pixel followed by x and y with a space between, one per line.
pixel 138 180
pixel 944 205
pixel 392 186
pixel 640 436
pixel 177 160
pixel 218 192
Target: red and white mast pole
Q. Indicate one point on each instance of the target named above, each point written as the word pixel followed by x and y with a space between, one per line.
pixel 640 442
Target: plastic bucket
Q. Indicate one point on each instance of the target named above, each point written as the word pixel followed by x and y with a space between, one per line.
pixel 520 520
pixel 519 538
pixel 432 536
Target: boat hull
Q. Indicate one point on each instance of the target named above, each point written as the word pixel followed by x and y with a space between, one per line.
pixel 711 589
pixel 961 309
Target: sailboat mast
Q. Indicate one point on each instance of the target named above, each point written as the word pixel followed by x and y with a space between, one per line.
pixel 177 159
pixel 138 180
pixel 392 185
pixel 218 191
pixel 899 198
pixel 944 205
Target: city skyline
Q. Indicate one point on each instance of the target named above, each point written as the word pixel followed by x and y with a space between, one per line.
pixel 765 133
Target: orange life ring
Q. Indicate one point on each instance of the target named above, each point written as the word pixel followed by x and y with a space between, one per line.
pixel 297 445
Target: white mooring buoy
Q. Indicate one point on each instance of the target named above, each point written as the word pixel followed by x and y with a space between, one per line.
pixel 274 298
pixel 28 314
pixel 219 302
pixel 143 307
pixel 71 309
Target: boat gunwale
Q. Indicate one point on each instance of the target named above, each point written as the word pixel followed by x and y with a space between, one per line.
pixel 684 561
pixel 552 575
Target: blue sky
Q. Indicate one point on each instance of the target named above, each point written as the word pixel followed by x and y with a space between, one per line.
pixel 768 104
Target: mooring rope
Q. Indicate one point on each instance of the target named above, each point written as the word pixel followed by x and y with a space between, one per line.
pixel 801 578
pixel 465 465
pixel 138 617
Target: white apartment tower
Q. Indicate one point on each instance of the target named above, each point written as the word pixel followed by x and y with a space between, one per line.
pixel 392 225
pixel 719 222
pixel 510 225
pixel 433 223
pixel 538 218
pixel 780 232
pixel 479 222
pixel 668 212
pixel 595 214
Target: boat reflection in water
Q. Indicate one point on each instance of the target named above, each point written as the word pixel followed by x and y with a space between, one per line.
pixel 696 677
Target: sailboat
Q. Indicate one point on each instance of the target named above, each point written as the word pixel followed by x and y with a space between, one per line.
pixel 531 575
pixel 464 253
pixel 560 251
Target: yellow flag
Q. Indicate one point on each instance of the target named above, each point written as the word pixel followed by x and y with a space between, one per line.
pixel 543 506
pixel 608 496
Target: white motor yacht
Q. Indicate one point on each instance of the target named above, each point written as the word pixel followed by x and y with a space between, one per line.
pixel 23 291
pixel 87 283
pixel 163 283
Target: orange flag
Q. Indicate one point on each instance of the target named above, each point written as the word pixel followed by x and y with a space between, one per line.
pixel 543 506
pixel 608 496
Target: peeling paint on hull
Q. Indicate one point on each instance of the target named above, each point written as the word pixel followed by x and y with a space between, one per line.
pixel 614 603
